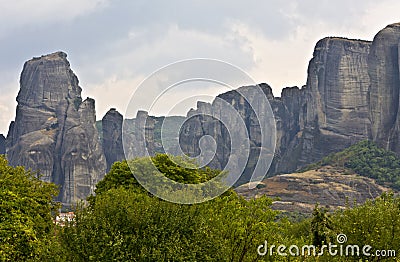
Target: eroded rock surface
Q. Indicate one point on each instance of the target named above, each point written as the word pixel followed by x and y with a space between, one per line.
pixel 2 144
pixel 112 137
pixel 352 94
pixel 54 131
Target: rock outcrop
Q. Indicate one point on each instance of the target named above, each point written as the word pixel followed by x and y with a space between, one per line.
pixel 352 94
pixel 54 131
pixel 2 144
pixel 112 137
pixel 138 135
pixel 215 120
pixel 383 62
pixel 333 107
pixel 327 186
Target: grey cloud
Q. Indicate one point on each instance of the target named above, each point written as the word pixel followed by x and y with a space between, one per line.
pixel 134 38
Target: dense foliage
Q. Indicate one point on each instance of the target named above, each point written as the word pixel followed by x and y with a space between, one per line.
pixel 129 226
pixel 125 223
pixel 26 215
pixel 367 159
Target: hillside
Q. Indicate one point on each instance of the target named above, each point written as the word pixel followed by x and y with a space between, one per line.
pixel 368 160
pixel 329 186
pixel 360 172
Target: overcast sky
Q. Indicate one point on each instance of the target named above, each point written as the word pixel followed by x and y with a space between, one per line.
pixel 114 45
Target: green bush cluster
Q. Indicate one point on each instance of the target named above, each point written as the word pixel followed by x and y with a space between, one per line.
pixel 125 223
pixel 27 210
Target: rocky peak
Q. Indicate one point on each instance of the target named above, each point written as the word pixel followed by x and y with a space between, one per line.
pixel 138 135
pixel 47 80
pixel 333 108
pixel 54 131
pixel 112 137
pixel 383 71
pixel 349 84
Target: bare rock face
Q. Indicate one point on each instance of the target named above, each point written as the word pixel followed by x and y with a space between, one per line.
pixel 327 115
pixel 2 144
pixel 112 137
pixel 334 109
pixel 138 135
pixel 214 120
pixel 338 84
pixel 384 73
pixel 54 132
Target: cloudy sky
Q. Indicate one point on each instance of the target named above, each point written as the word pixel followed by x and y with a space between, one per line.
pixel 113 45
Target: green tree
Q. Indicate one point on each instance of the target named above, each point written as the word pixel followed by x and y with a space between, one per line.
pixel 127 224
pixel 27 210
pixel 321 227
pixel 375 223
pixel 175 168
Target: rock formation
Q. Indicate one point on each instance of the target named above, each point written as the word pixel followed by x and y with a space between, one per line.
pixel 383 69
pixel 352 93
pixel 2 144
pixel 54 132
pixel 112 137
pixel 214 120
pixel 138 135
pixel 333 107
pixel 300 192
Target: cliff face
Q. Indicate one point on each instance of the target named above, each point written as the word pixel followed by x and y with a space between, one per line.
pixel 112 137
pixel 383 70
pixel 2 145
pixel 225 128
pixel 54 131
pixel 138 135
pixel 334 106
pixel 352 93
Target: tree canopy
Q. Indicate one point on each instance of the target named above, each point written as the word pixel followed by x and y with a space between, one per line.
pixel 27 208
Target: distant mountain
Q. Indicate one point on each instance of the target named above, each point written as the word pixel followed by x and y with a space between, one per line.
pixel 110 134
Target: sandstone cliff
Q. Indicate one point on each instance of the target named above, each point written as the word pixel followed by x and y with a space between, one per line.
pixel 138 135
pixel 214 120
pixel 352 93
pixel 54 132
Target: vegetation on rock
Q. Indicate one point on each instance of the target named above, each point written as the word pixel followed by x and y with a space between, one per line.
pixel 366 159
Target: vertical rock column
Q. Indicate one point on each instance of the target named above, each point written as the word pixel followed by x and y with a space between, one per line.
pixel 383 62
pixel 54 131
pixel 112 137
